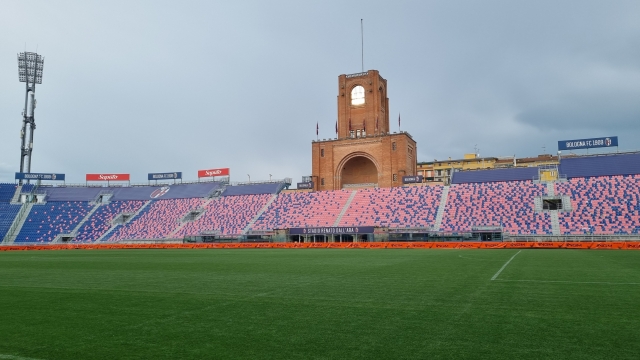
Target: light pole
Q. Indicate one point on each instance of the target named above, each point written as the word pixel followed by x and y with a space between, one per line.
pixel 30 67
pixel 249 177
pixel 270 177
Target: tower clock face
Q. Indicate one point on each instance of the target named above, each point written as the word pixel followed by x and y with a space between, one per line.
pixel 357 95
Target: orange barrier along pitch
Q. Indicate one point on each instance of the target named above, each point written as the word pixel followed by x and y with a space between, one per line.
pixel 606 245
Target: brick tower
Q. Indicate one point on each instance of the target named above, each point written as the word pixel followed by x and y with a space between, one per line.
pixel 365 154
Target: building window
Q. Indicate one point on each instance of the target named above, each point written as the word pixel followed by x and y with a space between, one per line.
pixel 395 177
pixel 410 150
pixel 357 95
pixel 353 134
pixel 321 152
pixel 322 181
pixel 358 133
pixel 393 146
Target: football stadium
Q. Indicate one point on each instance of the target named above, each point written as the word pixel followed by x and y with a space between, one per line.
pixel 375 254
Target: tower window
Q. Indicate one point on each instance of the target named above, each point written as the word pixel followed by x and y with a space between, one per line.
pixel 395 177
pixel 357 95
pixel 322 181
pixel 322 152
pixel 393 146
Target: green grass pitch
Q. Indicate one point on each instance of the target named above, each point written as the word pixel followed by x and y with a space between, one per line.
pixel 320 304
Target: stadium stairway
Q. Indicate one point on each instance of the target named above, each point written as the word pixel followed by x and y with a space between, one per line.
pixel 17 224
pixel 443 204
pixel 115 226
pixel 16 196
pixel 255 218
pixel 345 208
pixel 551 189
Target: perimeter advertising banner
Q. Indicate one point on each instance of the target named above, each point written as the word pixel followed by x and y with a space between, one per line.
pixel 39 176
pixel 108 177
pixel 213 172
pixel 588 143
pixel 162 176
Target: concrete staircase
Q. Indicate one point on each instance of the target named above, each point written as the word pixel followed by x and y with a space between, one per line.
pixel 255 218
pixel 443 204
pixel 114 226
pixel 17 224
pixel 16 196
pixel 345 208
pixel 551 191
pixel 555 223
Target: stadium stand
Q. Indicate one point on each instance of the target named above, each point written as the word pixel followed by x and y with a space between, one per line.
pixel 157 220
pixel 601 165
pixel 253 189
pixel 6 192
pixel 394 207
pixel 101 220
pixel 494 175
pixel 509 205
pixel 46 221
pixel 131 193
pixel 601 205
pixel 228 214
pixel 306 209
pixel 8 212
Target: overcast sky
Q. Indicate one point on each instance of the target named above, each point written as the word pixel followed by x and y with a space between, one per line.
pixel 163 86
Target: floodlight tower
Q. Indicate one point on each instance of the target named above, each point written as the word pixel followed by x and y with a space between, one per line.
pixel 30 66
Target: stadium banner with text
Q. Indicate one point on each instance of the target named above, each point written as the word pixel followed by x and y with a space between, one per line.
pixel 39 176
pixel 331 230
pixel 588 143
pixel 108 177
pixel 213 172
pixel 305 185
pixel 162 176
pixel 412 179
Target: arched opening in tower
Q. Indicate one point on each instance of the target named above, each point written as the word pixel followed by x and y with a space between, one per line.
pixel 359 172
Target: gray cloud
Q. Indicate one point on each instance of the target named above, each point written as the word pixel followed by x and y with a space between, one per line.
pixel 164 86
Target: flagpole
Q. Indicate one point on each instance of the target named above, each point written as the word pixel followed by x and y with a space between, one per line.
pixel 362 43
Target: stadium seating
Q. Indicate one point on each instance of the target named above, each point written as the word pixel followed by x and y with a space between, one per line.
pixel 601 205
pixel 509 205
pixel 253 189
pixel 100 221
pixel 228 214
pixel 394 207
pixel 304 209
pixel 46 221
pixel 157 220
pixel 7 213
pixel 6 192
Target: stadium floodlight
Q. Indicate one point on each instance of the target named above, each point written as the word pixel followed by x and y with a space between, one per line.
pixel 30 67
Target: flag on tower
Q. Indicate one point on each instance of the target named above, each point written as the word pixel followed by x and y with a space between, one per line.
pixel 398 120
pixel 336 126
pixel 349 124
pixel 317 128
pixel 364 125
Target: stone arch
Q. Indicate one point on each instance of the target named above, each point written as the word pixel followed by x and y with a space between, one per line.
pixel 357 168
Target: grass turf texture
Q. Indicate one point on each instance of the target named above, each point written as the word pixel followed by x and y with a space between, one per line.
pixel 319 303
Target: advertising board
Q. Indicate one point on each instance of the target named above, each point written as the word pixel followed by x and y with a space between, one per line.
pixel 412 179
pixel 588 143
pixel 162 176
pixel 108 177
pixel 213 172
pixel 305 185
pixel 39 176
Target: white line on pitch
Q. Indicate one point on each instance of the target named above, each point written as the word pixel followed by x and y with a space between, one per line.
pixel 574 282
pixel 504 266
pixel 13 357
